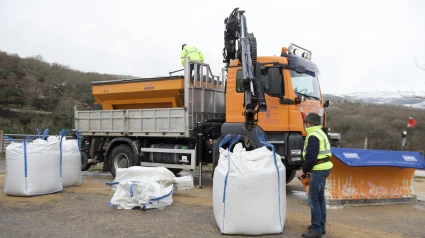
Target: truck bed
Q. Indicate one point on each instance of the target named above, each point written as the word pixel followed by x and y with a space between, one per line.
pixel 132 122
pixel 202 100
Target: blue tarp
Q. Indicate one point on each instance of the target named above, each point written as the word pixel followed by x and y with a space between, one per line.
pixel 360 158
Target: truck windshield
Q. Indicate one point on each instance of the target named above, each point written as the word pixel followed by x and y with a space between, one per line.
pixel 306 84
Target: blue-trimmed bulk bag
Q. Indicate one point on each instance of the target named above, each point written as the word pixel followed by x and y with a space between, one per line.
pixel 33 168
pixel 249 190
pixel 144 187
pixel 71 161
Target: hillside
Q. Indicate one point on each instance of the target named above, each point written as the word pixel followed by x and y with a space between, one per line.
pixel 31 84
pixel 403 98
pixel 382 124
pixel 42 95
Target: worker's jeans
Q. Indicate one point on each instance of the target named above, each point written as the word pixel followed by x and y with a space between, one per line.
pixel 316 199
pixel 192 67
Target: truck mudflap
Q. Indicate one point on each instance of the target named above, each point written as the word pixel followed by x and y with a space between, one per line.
pixel 372 177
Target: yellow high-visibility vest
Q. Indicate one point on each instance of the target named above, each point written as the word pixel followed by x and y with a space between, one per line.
pixel 193 53
pixel 325 147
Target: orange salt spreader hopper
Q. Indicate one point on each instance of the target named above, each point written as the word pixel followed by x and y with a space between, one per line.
pixel 142 93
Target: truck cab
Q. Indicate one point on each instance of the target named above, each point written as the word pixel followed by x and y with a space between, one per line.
pixel 292 90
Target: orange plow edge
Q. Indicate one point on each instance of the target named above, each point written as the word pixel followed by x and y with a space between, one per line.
pixel 372 177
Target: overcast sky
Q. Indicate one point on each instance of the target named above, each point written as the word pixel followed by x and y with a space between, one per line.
pixel 357 45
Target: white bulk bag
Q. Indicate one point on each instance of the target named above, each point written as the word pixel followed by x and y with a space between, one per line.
pixel 139 173
pixel 71 163
pixel 146 187
pixel 33 168
pixel 143 194
pixel 249 192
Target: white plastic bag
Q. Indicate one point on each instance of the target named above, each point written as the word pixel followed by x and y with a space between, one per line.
pixel 249 192
pixel 184 182
pixel 139 173
pixel 146 195
pixel 33 168
pixel 146 187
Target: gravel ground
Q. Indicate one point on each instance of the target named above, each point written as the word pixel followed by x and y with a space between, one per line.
pixel 83 211
pixel 420 173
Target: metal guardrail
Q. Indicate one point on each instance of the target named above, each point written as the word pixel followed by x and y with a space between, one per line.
pixel 8 138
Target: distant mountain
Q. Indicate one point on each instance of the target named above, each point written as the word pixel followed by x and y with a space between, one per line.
pixel 380 97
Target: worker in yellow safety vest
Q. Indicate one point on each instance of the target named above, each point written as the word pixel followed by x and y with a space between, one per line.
pixel 316 155
pixel 194 55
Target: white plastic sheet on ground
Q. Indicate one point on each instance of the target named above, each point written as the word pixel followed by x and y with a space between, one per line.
pixel 146 187
pixel 249 192
pixel 33 168
pixel 71 161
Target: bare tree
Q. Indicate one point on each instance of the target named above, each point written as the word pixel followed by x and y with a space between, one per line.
pixel 412 93
pixel 64 113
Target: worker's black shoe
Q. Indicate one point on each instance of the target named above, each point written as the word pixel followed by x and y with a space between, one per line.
pixel 312 234
pixel 323 231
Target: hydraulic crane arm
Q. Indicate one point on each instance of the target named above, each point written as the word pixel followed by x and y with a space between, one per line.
pixel 236 31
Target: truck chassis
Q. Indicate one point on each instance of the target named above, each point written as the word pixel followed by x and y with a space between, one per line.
pixel 176 138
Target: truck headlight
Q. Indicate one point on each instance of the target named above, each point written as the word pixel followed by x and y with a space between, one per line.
pixel 295 152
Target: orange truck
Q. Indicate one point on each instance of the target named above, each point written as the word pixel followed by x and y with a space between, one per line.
pixel 178 121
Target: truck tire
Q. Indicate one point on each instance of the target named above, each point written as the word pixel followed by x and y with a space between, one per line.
pixel 175 171
pixel 290 175
pixel 121 156
pixel 84 159
pixel 216 154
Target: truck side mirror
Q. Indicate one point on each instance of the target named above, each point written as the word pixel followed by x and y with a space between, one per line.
pixel 326 104
pixel 275 81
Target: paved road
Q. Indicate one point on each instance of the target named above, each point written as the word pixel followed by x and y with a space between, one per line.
pixel 83 211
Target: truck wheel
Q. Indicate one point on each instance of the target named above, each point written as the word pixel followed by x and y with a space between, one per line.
pixel 175 171
pixel 121 156
pixel 84 159
pixel 216 154
pixel 290 174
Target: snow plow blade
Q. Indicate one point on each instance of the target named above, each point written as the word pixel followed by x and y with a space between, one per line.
pixel 372 177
